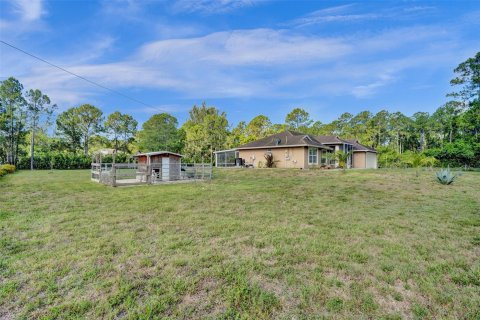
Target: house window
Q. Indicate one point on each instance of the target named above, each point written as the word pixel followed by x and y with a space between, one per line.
pixel 327 157
pixel 312 156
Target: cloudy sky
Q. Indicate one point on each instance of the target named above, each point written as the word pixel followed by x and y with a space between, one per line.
pixel 246 57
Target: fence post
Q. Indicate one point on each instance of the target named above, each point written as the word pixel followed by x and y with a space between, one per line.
pixel 148 175
pixel 114 176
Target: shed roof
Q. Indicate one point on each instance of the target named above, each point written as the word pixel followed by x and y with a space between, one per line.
pixel 283 139
pixel 156 153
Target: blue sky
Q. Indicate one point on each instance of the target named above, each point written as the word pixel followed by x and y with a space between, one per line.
pixel 246 57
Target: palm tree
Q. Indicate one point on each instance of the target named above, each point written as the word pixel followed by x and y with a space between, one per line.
pixel 342 158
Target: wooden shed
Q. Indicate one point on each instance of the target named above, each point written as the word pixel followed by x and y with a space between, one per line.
pixel 164 165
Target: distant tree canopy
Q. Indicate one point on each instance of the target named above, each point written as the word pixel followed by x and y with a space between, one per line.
pixel 451 134
pixel 160 132
pixel 205 131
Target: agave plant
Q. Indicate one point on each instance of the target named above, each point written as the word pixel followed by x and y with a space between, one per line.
pixel 445 176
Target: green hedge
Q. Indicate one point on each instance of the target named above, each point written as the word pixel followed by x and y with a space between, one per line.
pixel 57 161
pixel 49 161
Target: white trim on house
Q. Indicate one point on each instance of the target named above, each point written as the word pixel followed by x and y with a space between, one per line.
pixel 284 146
pixel 311 155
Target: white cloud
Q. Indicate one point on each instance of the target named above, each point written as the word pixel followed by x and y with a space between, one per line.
pixel 211 6
pixel 25 16
pixel 246 47
pixel 246 63
pixel 332 14
pixel 29 10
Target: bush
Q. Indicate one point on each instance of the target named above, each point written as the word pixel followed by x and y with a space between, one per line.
pixel 445 176
pixel 9 168
pixel 457 154
pixel 57 160
pixel 3 172
pixel 269 163
pixel 388 158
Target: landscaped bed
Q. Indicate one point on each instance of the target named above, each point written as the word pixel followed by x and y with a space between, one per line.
pixel 250 243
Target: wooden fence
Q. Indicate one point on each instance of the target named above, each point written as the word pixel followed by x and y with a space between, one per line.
pixel 117 174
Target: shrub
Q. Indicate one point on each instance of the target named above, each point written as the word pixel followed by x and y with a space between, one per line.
pixel 445 176
pixel 57 160
pixel 3 172
pixel 457 154
pixel 9 168
pixel 269 163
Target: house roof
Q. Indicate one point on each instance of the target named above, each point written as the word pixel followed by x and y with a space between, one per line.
pixel 359 147
pixel 331 140
pixel 156 153
pixel 283 139
pixel 336 140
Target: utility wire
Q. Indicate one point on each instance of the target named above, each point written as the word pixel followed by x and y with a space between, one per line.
pixel 78 76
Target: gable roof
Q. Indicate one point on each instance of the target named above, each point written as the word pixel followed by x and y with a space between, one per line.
pixel 336 140
pixel 283 139
pixel 360 147
pixel 331 140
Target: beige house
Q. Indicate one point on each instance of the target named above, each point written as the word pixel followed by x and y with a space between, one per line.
pixel 297 150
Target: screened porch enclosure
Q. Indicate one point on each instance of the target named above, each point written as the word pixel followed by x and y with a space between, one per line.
pixel 226 158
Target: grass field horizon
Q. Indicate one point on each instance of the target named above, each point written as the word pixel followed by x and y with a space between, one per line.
pixel 250 244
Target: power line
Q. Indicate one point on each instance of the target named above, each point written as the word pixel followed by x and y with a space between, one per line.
pixel 78 76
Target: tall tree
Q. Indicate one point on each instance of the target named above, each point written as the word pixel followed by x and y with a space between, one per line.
pixel 399 124
pixel 238 135
pixel 129 129
pixel 12 122
pixel 445 119
pixel 379 128
pixel 468 79
pixel 298 119
pixel 358 126
pixel 421 122
pixel 160 133
pixel 258 128
pixel 39 109
pixel 120 126
pixel 90 119
pixel 205 131
pixel 68 129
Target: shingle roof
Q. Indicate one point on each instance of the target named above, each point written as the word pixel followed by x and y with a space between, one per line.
pixel 334 140
pixel 359 147
pixel 330 139
pixel 286 138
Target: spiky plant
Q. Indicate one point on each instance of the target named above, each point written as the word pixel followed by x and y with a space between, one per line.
pixel 269 160
pixel 446 176
pixel 342 158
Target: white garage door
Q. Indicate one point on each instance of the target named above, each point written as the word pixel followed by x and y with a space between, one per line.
pixel 371 162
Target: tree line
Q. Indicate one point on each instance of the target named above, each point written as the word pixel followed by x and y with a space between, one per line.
pixel 32 137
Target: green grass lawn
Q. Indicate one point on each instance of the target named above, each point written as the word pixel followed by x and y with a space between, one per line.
pixel 250 244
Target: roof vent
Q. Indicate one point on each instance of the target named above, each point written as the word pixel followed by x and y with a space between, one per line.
pixel 277 141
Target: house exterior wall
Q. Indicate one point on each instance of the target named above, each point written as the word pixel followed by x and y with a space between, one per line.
pixel 359 160
pixel 365 160
pixel 371 160
pixel 294 157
